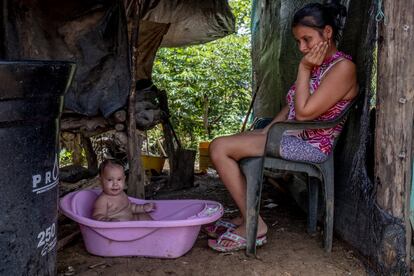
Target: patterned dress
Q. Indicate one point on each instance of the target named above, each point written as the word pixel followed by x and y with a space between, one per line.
pixel 321 139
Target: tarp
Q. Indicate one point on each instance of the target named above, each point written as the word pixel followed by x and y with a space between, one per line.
pixel 176 23
pixel 93 33
pixel 191 21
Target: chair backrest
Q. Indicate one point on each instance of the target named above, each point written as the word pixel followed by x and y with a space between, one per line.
pixel 277 130
pixel 260 123
pixel 344 116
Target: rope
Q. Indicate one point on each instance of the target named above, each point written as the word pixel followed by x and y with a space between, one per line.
pixel 380 13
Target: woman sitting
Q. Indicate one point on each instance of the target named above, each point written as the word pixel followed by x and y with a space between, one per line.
pixel 325 84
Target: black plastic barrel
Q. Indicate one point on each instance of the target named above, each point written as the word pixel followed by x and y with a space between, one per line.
pixel 31 100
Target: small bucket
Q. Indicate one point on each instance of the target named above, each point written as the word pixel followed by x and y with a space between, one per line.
pixel 155 163
pixel 204 157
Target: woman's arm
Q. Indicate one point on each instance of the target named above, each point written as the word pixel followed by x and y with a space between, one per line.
pixel 338 82
pixel 281 116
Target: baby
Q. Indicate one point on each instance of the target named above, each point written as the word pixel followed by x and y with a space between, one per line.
pixel 113 204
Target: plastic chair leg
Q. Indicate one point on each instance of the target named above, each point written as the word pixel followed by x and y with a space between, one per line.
pixel 329 207
pixel 313 189
pixel 253 171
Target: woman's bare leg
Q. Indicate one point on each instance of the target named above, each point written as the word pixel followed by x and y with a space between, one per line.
pixel 225 152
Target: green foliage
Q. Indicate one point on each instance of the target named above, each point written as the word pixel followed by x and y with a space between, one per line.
pixel 242 11
pixel 209 85
pixel 65 157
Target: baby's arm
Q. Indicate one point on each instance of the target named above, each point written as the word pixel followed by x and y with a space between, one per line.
pixel 142 208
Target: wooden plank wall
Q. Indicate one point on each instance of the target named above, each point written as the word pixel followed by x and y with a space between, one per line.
pixel 395 110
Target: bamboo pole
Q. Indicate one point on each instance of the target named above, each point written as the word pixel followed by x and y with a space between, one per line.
pixel 395 110
pixel 135 179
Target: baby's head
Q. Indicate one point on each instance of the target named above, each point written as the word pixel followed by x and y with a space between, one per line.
pixel 111 173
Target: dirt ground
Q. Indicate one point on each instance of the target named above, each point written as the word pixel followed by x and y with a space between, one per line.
pixel 289 250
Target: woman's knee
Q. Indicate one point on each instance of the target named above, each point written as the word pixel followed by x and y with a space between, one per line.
pixel 216 148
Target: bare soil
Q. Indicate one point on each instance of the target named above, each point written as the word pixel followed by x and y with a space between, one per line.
pixel 289 250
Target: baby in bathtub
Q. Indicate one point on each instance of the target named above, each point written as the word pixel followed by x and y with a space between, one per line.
pixel 113 204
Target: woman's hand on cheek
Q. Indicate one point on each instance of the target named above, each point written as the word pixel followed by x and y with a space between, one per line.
pixel 315 57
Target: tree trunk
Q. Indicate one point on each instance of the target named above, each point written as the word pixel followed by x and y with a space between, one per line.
pixel 91 157
pixel 169 144
pixel 182 171
pixel 395 108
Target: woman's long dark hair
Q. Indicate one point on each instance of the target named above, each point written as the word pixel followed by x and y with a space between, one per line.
pixel 317 16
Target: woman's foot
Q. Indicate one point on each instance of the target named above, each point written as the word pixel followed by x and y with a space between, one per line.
pixel 237 220
pixel 236 240
pixel 241 231
pixel 219 227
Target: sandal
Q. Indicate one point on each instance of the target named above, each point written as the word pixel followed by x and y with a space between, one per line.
pixel 218 228
pixel 239 242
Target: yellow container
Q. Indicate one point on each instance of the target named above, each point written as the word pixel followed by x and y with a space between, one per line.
pixel 204 161
pixel 150 162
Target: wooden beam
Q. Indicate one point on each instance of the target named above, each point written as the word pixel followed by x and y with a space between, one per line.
pixel 87 126
pixel 395 110
pixel 135 179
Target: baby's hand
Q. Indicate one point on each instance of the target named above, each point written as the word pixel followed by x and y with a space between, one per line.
pixel 149 207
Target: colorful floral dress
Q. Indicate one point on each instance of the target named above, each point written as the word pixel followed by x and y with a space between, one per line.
pixel 321 139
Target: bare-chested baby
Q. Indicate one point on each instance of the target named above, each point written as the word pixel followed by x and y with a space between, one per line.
pixel 113 203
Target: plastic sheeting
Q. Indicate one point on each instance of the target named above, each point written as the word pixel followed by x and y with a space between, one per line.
pixel 176 23
pixel 150 36
pixel 93 33
pixel 191 21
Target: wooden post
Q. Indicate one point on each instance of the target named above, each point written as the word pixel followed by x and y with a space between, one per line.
pixel 395 109
pixel 91 157
pixel 169 144
pixel 135 179
pixel 77 158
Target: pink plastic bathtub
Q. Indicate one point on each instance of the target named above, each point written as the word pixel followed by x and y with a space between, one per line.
pixel 171 234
